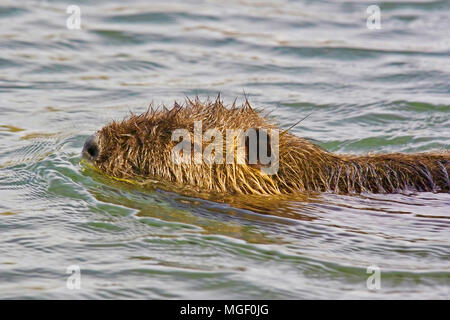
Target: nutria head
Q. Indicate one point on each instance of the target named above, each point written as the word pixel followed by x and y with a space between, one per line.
pixel 142 147
pixel 91 148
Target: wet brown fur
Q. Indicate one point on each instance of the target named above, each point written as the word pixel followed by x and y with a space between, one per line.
pixel 139 147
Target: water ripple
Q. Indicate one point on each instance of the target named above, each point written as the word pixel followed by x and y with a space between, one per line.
pixel 365 90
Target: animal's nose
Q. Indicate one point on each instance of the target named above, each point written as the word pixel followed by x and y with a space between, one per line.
pixel 91 148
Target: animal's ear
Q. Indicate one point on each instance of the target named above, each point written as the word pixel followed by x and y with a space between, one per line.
pixel 257 145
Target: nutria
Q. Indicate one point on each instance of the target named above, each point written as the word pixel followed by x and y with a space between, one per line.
pixel 140 147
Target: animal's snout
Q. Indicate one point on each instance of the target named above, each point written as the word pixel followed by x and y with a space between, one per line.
pixel 91 148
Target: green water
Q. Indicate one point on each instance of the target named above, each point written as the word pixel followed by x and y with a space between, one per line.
pixel 367 90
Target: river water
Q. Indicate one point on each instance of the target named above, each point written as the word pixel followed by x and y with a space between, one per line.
pixel 366 90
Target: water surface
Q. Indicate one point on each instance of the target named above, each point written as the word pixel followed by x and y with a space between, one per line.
pixel 383 90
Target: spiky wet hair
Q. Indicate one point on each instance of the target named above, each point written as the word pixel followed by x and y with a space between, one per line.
pixel 140 146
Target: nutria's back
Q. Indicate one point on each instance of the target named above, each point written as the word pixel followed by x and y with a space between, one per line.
pixel 214 148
